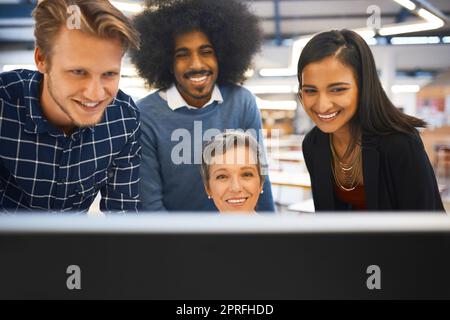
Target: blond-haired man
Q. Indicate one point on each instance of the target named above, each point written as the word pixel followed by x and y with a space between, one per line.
pixel 66 130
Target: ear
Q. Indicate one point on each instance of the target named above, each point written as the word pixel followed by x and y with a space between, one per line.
pixel 39 59
pixel 208 191
pixel 299 95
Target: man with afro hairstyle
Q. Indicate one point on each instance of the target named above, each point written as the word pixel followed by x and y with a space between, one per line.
pixel 195 52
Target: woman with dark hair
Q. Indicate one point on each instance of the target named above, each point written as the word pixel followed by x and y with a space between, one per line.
pixel 364 153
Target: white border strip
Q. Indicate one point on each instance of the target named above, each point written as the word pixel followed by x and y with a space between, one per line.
pixel 206 223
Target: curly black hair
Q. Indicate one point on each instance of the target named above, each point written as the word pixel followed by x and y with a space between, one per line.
pixel 232 29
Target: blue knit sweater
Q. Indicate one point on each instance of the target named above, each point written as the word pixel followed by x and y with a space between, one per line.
pixel 172 144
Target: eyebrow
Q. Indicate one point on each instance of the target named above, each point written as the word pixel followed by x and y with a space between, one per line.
pixel 248 168
pixel 330 85
pixel 218 170
pixel 90 71
pixel 225 170
pixel 113 70
pixel 205 46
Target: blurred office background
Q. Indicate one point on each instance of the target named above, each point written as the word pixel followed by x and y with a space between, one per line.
pixel 411 49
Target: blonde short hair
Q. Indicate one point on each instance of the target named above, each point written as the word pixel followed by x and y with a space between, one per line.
pixel 97 17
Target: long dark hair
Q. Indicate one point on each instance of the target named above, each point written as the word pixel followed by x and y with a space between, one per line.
pixel 375 113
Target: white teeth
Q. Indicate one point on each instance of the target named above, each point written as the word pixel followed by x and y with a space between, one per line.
pixel 327 116
pixel 198 79
pixel 236 200
pixel 90 105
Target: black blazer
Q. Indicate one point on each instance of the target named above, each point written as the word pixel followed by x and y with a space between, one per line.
pixel 397 173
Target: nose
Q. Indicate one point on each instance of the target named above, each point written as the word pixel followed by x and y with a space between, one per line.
pixel 324 103
pixel 236 185
pixel 95 90
pixel 197 62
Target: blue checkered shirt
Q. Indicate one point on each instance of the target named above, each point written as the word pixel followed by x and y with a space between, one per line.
pixel 41 168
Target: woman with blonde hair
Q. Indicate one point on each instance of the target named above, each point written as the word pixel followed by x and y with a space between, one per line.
pixel 233 171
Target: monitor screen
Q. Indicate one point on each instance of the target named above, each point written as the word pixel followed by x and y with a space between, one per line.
pixel 225 257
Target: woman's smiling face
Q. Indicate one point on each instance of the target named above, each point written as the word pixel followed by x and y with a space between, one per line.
pixel 234 181
pixel 329 94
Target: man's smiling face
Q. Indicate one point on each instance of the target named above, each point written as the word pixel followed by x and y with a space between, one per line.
pixel 195 67
pixel 81 80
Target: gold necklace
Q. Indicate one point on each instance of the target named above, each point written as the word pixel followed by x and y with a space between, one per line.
pixel 349 172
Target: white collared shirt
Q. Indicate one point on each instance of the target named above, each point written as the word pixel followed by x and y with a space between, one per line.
pixel 175 100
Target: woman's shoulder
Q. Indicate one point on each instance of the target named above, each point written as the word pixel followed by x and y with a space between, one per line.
pixel 314 136
pixel 400 141
pixel 400 148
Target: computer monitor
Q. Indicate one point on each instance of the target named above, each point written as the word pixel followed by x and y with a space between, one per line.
pixel 383 256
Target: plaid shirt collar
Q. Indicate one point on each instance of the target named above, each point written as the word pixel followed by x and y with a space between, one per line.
pixel 35 121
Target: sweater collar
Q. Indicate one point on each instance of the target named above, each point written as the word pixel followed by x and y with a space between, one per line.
pixel 176 101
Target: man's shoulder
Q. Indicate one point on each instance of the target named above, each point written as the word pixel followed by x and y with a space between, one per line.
pixel 126 103
pixel 234 90
pixel 150 101
pixel 17 89
pixel 12 83
pixel 14 76
pixel 121 113
pixel 239 101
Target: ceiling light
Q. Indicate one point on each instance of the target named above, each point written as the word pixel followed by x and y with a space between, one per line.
pixel 427 15
pixel 297 48
pixel 288 105
pixel 127 6
pixel 10 67
pixel 278 72
pixel 414 40
pixel 372 41
pixel 249 73
pixel 432 22
pixel 405 88
pixel 407 4
pixel 267 89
